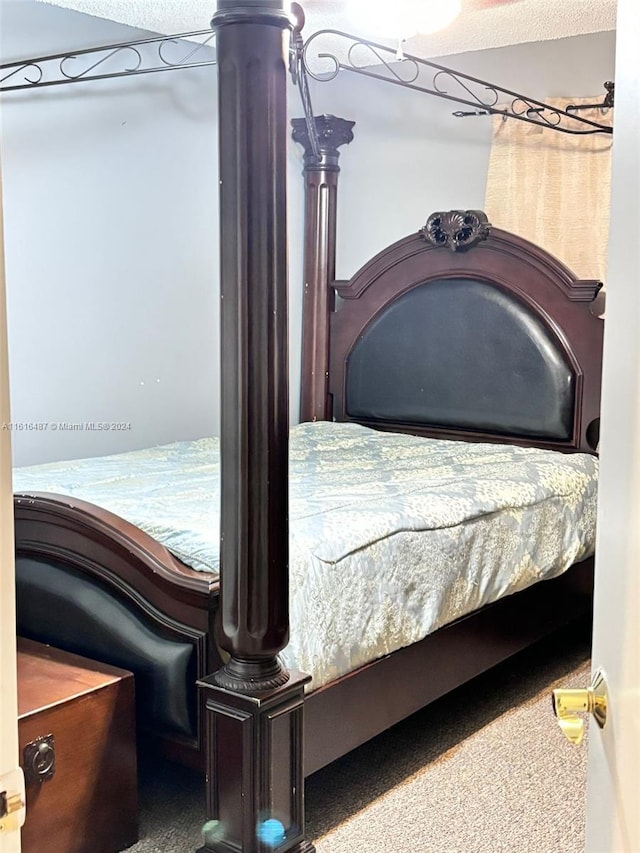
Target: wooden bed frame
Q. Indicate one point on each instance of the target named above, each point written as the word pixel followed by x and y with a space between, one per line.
pixel 94 584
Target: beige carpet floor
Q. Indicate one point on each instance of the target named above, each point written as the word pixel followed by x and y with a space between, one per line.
pixel 484 770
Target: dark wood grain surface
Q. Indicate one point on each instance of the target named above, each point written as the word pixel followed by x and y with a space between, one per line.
pixel 89 805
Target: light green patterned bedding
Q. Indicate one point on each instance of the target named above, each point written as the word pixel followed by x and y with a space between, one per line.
pixel 391 536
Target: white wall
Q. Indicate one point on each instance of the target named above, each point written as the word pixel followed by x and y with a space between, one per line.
pixel 111 247
pixel 111 214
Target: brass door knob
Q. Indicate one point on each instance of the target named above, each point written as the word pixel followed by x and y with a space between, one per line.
pixel 567 704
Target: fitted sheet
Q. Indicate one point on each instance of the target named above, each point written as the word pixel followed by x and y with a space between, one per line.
pixel 391 536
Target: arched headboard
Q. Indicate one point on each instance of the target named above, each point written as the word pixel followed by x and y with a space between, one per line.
pixel 466 331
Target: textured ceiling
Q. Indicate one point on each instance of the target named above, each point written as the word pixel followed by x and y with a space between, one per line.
pixel 480 25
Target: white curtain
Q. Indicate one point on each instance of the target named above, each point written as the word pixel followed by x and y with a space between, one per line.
pixel 554 188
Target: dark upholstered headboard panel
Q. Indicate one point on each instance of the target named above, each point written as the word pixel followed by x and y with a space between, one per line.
pixel 464 354
pixel 496 341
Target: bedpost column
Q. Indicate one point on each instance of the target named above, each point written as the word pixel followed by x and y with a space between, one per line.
pixel 321 191
pixel 253 704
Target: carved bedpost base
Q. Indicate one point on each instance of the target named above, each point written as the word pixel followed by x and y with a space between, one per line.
pixel 302 847
pixel 254 769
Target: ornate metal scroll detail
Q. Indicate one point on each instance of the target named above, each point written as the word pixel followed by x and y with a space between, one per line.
pixel 85 72
pixel 20 67
pixel 457 229
pixel 145 56
pixel 351 53
pixel 361 56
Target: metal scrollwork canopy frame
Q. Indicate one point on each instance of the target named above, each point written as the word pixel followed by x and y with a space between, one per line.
pixel 307 59
pixel 350 53
pixel 126 59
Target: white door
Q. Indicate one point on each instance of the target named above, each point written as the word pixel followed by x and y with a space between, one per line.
pixel 11 783
pixel 613 800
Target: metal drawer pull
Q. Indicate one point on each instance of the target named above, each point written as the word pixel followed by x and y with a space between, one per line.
pixel 39 759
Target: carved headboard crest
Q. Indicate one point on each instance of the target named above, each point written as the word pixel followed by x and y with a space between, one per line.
pixel 457 229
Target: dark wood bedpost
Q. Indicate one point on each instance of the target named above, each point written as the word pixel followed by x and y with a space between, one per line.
pixel 321 190
pixel 253 705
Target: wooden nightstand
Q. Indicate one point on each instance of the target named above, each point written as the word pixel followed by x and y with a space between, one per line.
pixel 77 745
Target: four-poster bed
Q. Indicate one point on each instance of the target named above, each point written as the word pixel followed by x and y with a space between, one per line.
pixel 486 319
pixel 90 581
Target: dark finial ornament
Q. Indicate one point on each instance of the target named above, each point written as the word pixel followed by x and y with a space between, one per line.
pixel 457 229
pixel 332 133
pixel 610 87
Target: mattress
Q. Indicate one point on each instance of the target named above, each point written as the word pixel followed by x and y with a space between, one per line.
pixel 391 536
